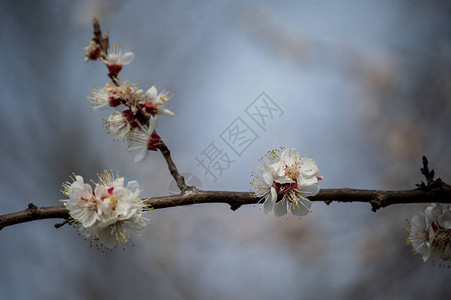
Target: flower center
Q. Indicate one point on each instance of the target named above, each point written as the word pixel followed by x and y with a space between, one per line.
pixel 292 172
pixel 90 204
pixel 113 202
pixel 442 238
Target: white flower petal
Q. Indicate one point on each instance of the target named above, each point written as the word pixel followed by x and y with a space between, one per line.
pixel 433 212
pixel 280 208
pixel 283 179
pixel 268 205
pixel 273 195
pixel 142 155
pixel 308 167
pixel 167 112
pixel 90 219
pixel 301 207
pixel 426 254
pixel 445 219
pixel 133 186
pixel 127 58
pixel 152 124
pixel 304 181
pixel 289 156
pixel 267 178
pixel 418 221
pixel 113 59
pixel 152 93
pixel 309 190
pixel 101 191
pixel 107 237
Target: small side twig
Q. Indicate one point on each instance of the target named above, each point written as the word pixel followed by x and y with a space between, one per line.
pixel 61 224
pixel 102 41
pixel 429 175
pixel 172 168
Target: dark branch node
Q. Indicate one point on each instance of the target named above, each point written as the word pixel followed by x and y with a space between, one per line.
pixel 235 206
pixel 32 209
pixel 429 175
pixel 58 225
pixel 375 205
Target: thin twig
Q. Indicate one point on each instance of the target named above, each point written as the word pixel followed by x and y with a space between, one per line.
pixel 172 168
pixel 59 225
pixel 102 41
pixel 114 80
pixel 429 175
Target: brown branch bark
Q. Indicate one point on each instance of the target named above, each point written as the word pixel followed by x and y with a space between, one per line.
pixel 33 213
pixel 376 198
pixel 173 169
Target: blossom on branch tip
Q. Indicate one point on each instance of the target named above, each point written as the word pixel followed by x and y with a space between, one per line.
pixel 286 182
pixel 156 102
pixel 430 233
pixel 92 51
pixel 116 59
pixel 110 213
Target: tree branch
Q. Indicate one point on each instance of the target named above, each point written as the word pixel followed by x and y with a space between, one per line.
pixel 173 169
pixel 33 213
pixel 377 199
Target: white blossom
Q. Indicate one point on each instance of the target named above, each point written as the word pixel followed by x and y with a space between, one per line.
pixel 265 190
pixel 116 233
pixel 117 125
pixel 82 203
pixel 419 235
pixel 112 96
pixel 430 232
pixel 291 176
pixel 156 102
pixel 143 139
pixel 100 97
pixel 110 213
pixel 133 97
pixel 116 57
pixel 92 51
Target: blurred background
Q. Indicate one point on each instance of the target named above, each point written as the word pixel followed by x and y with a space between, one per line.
pixel 365 88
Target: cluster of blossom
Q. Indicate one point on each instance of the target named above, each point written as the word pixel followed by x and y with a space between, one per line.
pixel 286 181
pixel 110 213
pixel 430 232
pixel 135 118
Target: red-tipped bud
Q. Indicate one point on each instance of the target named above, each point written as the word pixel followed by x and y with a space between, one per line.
pixel 114 70
pixel 154 142
pixel 130 117
pixel 150 107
